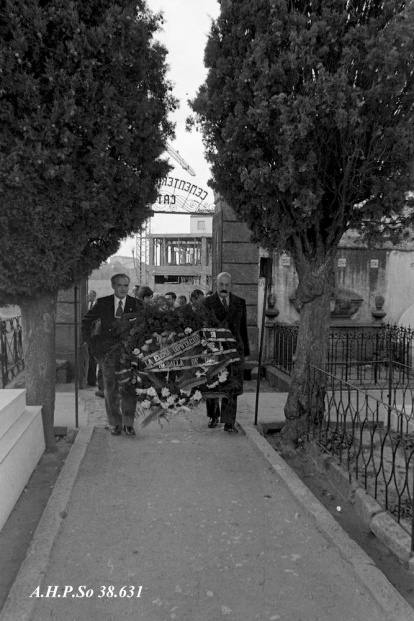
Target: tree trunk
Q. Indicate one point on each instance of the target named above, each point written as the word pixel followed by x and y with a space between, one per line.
pixel 38 328
pixel 314 296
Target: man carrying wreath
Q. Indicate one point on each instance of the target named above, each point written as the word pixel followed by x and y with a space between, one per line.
pixel 100 332
pixel 230 311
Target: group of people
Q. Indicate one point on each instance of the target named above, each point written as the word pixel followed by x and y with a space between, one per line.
pixel 99 331
pixel 144 293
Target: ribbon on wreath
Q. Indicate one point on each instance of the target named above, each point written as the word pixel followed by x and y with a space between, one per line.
pixel 184 345
pixel 204 365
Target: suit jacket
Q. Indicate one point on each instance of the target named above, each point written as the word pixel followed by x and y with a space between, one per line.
pixel 104 311
pixel 234 316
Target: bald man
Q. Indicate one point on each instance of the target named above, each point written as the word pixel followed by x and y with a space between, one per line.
pixel 230 311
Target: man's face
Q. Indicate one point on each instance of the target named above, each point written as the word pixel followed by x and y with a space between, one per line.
pixel 120 287
pixel 224 286
pixel 170 299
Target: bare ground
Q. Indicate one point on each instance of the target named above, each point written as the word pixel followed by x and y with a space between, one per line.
pixel 16 535
pixel 343 512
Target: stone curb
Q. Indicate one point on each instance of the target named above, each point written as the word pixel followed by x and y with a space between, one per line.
pixel 381 524
pixel 18 605
pixel 387 597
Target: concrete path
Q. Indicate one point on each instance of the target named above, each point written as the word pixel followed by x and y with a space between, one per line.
pixel 196 525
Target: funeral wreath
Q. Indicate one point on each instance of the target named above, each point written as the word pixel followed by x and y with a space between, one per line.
pixel 172 358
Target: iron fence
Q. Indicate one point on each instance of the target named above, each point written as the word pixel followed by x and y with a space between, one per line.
pixel 372 437
pixel 11 349
pixel 367 356
pixel 283 346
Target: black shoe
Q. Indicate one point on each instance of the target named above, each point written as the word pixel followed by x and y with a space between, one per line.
pixel 117 430
pixel 129 431
pixel 213 422
pixel 230 428
pixel 99 393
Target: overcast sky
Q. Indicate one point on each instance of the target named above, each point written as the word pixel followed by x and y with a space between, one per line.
pixel 187 25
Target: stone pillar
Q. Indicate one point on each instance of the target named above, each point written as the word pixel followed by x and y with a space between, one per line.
pixel 234 252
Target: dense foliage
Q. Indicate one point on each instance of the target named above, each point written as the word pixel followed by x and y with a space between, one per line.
pixel 307 115
pixel 84 103
pixel 83 112
pixel 307 118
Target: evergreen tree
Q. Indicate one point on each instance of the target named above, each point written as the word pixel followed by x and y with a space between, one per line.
pixel 307 117
pixel 83 110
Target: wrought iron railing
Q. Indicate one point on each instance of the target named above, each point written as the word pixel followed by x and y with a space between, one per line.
pixel 283 346
pixel 11 349
pixel 362 355
pixel 371 437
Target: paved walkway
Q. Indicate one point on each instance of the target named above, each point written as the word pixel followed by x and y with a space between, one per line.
pixel 197 525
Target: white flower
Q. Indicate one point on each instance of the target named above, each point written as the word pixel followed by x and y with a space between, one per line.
pixel 146 404
pixel 141 355
pixel 171 399
pixel 151 391
pixel 223 376
pixel 164 405
pixel 182 401
pixel 148 342
pixel 141 391
pixel 165 392
pixel 185 392
pixel 155 335
pixel 187 331
pixel 197 396
pixel 145 347
pixel 136 351
pixel 199 373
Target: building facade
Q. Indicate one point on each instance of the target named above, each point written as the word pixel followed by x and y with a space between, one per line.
pixel 182 262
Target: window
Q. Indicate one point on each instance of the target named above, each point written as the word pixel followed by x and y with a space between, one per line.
pixel 181 251
pixel 201 225
pixel 172 279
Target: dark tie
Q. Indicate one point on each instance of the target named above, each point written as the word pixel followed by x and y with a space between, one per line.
pixel 119 310
pixel 225 304
pixel 90 305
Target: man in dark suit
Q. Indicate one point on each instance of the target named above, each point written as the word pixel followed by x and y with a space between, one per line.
pixel 229 310
pixel 99 330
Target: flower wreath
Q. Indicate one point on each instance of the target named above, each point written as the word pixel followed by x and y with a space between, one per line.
pixel 172 358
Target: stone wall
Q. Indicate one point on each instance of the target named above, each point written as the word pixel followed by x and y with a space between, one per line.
pixel 362 277
pixel 234 252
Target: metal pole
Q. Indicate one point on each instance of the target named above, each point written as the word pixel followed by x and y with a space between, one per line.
pixel 268 269
pixel 412 519
pixel 76 356
pixel 390 370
